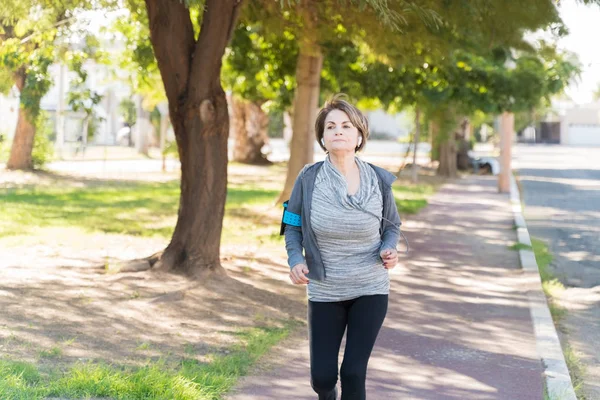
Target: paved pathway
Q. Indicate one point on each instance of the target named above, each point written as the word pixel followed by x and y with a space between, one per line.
pixel 458 325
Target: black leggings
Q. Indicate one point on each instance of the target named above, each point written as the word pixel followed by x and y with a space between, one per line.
pixel 327 322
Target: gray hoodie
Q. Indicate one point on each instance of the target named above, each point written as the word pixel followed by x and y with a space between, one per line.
pixel 302 237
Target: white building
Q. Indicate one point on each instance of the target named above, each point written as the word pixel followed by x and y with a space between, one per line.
pixel 102 79
pixel 393 126
pixel 580 125
pixel 9 112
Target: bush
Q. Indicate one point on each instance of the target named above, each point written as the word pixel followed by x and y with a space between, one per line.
pixel 43 148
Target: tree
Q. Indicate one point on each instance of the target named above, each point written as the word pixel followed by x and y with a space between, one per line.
pixel 143 75
pixel 29 31
pixel 313 23
pixel 190 67
pixel 596 95
pixel 259 71
pixel 81 98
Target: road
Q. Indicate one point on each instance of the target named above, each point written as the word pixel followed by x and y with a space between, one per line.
pixel 561 192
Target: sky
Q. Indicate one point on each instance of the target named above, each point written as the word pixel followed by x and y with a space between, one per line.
pixel 583 23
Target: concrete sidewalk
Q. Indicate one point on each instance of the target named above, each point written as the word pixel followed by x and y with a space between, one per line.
pixel 459 324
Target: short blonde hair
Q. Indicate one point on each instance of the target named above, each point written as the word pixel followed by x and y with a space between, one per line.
pixel 339 102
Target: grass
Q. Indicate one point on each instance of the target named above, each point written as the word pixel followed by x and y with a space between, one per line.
pixel 144 209
pixel 150 209
pixel 552 288
pixel 147 209
pixel 54 352
pixel 157 380
pixel 410 199
pixel 551 285
pixel 520 246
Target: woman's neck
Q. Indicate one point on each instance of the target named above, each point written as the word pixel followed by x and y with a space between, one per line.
pixel 345 163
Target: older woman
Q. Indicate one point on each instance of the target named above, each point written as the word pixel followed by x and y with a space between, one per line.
pixel 341 235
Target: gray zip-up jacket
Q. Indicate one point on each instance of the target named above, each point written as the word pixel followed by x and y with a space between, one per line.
pixel 303 237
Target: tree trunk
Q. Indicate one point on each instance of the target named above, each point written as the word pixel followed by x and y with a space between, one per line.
pixel 507 128
pixel 250 124
pixel 433 134
pixel 22 145
pixel 142 127
pixel 447 165
pixel 306 101
pixel 415 166
pixel 191 72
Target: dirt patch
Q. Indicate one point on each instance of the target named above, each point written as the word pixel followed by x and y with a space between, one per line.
pixel 59 306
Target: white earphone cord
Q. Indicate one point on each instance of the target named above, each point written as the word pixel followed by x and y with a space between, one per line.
pixel 393 224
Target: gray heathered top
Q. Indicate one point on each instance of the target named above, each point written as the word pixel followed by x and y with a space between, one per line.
pixel 348 237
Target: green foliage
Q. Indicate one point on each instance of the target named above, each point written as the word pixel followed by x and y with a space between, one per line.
pixel 6 80
pixel 43 148
pixel 32 67
pixel 138 56
pixel 127 110
pixel 260 66
pixel 80 97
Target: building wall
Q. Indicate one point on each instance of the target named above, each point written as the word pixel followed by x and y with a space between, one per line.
pixel 9 113
pixel 580 125
pixel 394 126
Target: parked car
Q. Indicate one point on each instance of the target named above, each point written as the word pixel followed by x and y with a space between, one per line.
pixel 485 165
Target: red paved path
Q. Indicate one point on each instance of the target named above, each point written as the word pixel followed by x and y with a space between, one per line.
pixel 458 325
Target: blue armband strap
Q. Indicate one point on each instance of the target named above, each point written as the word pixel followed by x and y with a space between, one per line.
pixel 289 218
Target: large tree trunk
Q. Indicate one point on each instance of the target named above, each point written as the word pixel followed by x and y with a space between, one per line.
pixel 433 134
pixel 250 124
pixel 306 101
pixel 463 146
pixel 447 165
pixel 191 71
pixel 22 145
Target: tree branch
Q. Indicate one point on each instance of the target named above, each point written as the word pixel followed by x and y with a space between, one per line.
pixel 172 37
pixel 217 24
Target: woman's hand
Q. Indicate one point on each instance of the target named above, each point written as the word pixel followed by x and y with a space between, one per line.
pixel 389 258
pixel 298 274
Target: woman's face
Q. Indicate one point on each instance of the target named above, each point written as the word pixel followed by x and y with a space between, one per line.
pixel 340 135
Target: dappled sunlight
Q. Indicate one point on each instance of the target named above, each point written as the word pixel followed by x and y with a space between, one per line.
pixel 443 311
pixel 68 305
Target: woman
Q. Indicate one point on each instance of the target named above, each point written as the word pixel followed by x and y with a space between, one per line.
pixel 341 235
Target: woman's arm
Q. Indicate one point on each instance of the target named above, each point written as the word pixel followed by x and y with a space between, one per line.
pixel 293 234
pixel 391 230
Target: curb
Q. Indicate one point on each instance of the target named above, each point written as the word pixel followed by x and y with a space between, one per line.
pixel 556 374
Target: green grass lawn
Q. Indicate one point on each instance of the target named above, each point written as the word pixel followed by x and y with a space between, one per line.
pixel 149 209
pixel 144 209
pixel 410 199
pixel 190 380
